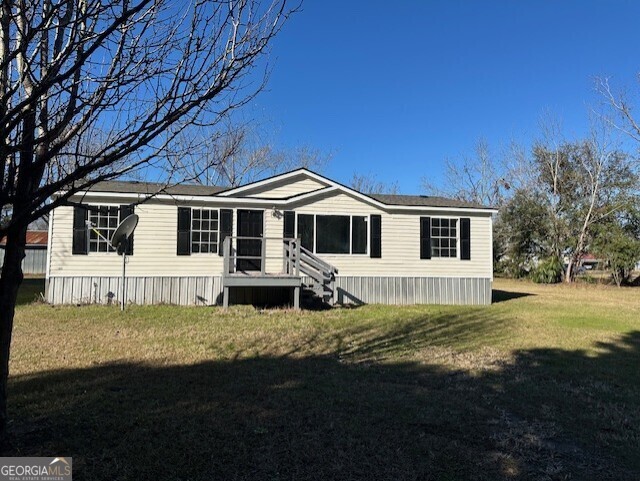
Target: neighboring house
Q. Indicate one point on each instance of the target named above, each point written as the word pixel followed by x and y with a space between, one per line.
pixel 195 243
pixel 35 259
pixel 590 262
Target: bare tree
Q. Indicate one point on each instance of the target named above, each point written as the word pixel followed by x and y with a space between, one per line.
pixel 131 74
pixel 369 184
pixel 621 115
pixel 584 183
pixel 478 178
pixel 239 153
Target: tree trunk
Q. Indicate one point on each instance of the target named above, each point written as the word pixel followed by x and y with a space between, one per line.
pixel 568 274
pixel 10 281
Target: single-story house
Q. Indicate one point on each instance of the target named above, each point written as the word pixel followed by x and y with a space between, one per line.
pixel 298 231
pixel 35 255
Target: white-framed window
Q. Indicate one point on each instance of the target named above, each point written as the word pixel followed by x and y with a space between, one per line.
pixel 334 234
pixel 205 229
pixel 103 221
pixel 444 237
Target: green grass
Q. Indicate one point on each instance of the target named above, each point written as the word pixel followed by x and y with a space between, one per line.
pixel 543 385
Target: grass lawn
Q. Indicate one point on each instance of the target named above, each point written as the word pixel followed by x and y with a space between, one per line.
pixel 542 385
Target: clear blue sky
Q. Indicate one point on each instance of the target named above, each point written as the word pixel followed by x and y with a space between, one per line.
pixel 393 88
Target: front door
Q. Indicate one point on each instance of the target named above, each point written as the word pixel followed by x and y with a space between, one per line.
pixel 250 224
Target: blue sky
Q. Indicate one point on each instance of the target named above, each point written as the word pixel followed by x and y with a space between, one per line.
pixel 393 88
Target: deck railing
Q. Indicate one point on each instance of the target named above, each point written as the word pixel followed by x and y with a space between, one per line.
pixel 296 261
pixel 290 254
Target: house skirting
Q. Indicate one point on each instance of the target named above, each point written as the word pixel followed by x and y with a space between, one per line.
pixel 198 290
pixel 34 262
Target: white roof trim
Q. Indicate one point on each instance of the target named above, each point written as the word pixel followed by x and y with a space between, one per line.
pixel 281 203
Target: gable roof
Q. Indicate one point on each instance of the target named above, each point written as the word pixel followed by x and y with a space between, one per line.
pixel 386 199
pixel 224 194
pixel 277 178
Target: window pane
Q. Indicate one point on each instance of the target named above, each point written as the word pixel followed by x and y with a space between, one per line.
pixel 332 236
pixel 305 231
pixel 103 222
pixel 204 231
pixel 443 237
pixel 359 235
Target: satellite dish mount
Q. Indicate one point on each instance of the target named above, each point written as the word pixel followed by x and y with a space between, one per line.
pixel 120 241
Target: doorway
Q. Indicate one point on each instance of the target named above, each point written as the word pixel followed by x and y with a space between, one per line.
pixel 250 224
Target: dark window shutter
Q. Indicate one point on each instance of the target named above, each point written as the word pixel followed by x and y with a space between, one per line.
pixel 80 231
pixel 376 236
pixel 184 231
pixel 226 227
pixel 289 230
pixel 465 238
pixel 425 237
pixel 126 211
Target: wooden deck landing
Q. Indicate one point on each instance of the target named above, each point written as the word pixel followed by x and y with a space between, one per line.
pixel 258 279
pixel 296 262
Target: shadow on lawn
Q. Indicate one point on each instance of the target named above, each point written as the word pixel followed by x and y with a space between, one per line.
pixel 548 414
pixel 31 289
pixel 501 296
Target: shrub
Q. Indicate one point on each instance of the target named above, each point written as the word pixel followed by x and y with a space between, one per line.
pixel 548 271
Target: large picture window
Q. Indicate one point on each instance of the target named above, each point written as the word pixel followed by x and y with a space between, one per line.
pixel 333 234
pixel 204 231
pixel 444 237
pixel 103 221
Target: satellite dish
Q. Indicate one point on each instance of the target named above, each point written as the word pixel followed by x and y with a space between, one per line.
pixel 119 241
pixel 124 231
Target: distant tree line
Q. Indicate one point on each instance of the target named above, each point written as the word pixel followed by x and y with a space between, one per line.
pixel 559 200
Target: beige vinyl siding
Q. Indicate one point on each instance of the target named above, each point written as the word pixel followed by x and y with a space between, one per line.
pixel 401 243
pixel 273 228
pixel 156 238
pixel 284 190
pixel 154 254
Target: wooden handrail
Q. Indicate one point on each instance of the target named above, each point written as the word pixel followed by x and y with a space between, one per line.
pixel 323 263
pixel 296 261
